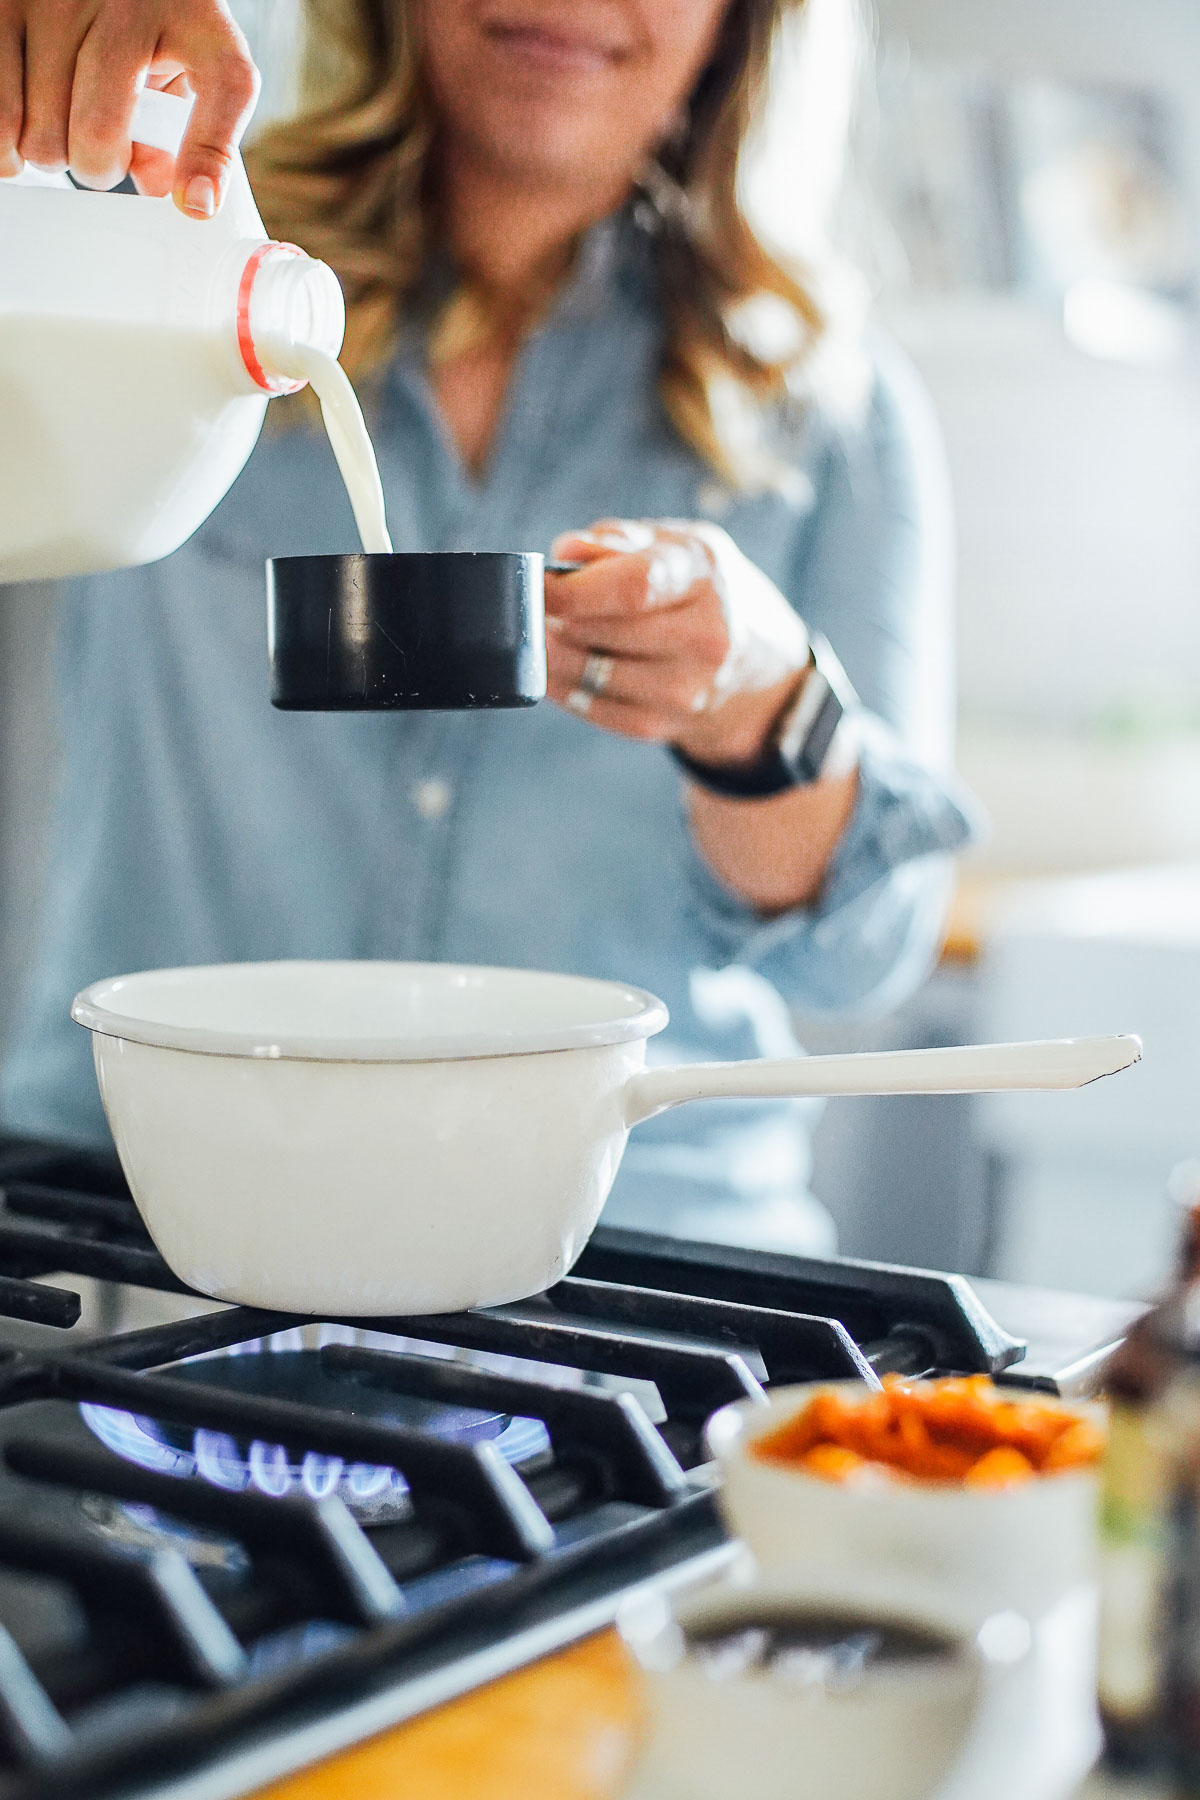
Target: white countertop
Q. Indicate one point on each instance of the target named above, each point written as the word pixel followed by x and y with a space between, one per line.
pixel 1068 1335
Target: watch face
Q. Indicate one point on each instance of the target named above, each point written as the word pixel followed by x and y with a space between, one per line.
pixel 816 748
pixel 798 724
pixel 808 733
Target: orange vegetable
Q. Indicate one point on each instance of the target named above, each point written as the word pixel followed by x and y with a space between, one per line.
pixel 1001 1467
pixel 960 1429
pixel 1082 1442
pixel 832 1462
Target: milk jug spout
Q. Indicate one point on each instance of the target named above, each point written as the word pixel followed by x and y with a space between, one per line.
pixel 138 352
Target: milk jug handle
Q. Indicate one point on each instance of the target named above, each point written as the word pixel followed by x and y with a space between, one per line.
pixel 160 120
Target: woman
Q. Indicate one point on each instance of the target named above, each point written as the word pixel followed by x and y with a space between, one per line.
pixel 553 295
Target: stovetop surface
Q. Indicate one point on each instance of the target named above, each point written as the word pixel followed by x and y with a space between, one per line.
pixel 230 1540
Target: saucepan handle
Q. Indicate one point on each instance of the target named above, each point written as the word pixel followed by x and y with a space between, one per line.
pixel 969 1069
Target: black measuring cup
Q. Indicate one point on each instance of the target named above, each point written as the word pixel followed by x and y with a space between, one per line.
pixel 443 630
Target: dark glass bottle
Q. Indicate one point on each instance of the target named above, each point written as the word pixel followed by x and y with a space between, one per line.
pixel 1154 1423
pixel 1181 1636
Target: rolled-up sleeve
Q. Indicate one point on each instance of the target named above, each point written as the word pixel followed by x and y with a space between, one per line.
pixel 872 569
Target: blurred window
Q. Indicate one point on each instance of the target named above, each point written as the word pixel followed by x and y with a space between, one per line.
pixel 1059 191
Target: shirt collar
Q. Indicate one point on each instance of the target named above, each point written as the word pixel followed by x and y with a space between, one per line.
pixel 615 261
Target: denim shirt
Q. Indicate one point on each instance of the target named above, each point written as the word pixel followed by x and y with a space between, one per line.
pixel 195 824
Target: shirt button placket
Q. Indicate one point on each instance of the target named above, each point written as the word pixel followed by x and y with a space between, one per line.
pixel 436 797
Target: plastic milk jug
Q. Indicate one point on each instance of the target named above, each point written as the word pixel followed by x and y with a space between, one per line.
pixel 138 350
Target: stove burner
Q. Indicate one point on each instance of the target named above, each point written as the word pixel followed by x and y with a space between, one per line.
pixel 286 1366
pixel 168 1617
pixel 376 1496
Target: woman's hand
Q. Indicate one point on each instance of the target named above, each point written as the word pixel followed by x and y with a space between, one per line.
pixel 671 634
pixel 70 71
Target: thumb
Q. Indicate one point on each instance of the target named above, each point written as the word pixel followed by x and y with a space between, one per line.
pixel 584 546
pixel 226 84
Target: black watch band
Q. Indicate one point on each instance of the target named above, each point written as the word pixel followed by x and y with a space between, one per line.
pixel 800 745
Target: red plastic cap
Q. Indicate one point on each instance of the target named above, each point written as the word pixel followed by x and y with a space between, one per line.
pixel 270 384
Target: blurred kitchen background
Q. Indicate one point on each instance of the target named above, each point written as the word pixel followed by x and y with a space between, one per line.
pixel 1026 199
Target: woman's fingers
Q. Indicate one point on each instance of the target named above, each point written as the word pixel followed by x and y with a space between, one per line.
pixel 665 687
pixel 12 95
pixel 52 36
pixel 612 586
pixel 70 71
pixel 628 584
pixel 669 632
pixel 153 171
pixel 696 633
pixel 603 538
pixel 109 70
pixel 636 638
pixel 611 715
pixel 632 567
pixel 225 81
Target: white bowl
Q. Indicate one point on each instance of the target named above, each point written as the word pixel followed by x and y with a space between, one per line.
pixel 969 1552
pixel 756 1735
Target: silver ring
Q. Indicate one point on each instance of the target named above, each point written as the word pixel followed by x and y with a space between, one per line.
pixel 597 673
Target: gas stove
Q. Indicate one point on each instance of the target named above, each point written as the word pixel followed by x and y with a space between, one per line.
pixel 233 1541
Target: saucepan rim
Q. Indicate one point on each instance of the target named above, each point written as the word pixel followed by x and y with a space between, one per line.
pixel 109 1007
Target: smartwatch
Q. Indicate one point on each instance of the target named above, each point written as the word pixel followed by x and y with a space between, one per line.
pixel 800 743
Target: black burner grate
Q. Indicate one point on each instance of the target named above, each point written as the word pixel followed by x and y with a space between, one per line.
pixel 208 1621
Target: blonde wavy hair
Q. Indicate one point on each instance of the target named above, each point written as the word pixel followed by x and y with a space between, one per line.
pixel 348 177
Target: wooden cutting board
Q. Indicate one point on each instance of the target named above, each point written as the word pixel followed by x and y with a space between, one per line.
pixel 562 1729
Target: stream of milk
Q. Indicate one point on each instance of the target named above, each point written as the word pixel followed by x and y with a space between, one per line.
pixel 350 440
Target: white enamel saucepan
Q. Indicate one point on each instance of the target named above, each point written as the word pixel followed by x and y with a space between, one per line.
pixel 374 1138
